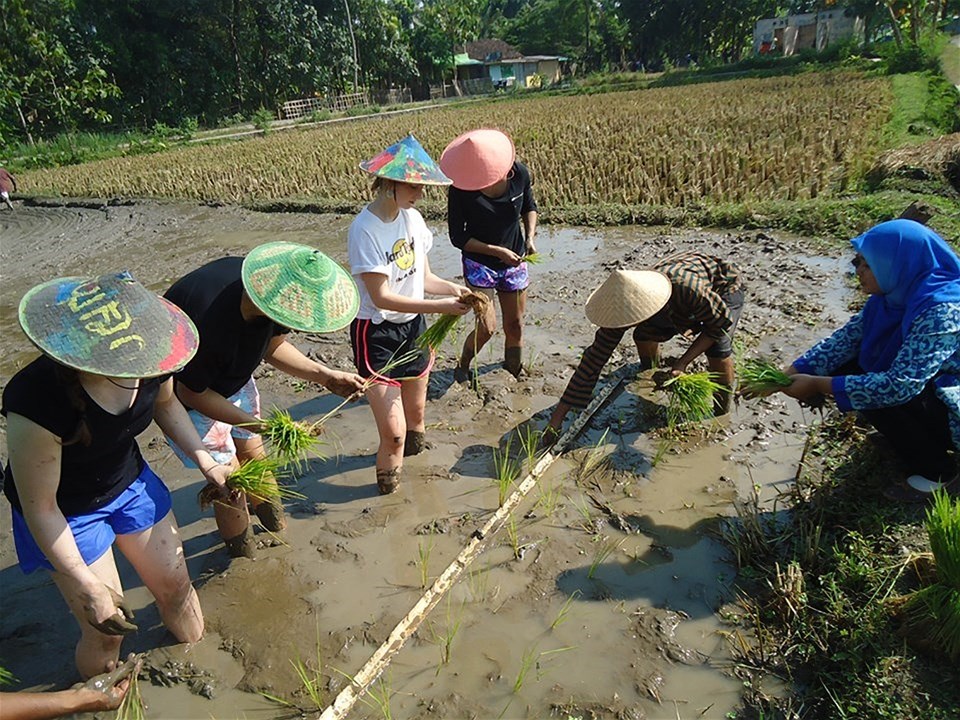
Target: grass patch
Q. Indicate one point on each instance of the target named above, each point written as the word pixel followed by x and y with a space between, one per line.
pixel 815 583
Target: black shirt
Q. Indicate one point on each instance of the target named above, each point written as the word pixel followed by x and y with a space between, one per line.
pixel 93 475
pixel 494 221
pixel 231 348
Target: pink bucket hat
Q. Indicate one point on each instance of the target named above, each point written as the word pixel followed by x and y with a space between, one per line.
pixel 478 159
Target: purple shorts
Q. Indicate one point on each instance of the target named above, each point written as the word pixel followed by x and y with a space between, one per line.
pixel 511 279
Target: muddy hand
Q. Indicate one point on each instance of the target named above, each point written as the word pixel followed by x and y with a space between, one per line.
pixel 105 682
pixel 120 623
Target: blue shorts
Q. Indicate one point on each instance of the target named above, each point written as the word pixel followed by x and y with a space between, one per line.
pixel 511 279
pixel 142 505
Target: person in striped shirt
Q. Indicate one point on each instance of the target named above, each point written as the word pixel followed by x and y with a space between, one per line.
pixel 689 292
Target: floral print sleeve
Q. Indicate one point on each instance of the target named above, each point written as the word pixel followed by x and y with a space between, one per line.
pixel 833 351
pixel 930 350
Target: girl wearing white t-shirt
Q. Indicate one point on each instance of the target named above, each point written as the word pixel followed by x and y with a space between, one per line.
pixel 388 244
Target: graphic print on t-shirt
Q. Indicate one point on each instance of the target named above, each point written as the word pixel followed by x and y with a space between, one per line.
pixel 404 256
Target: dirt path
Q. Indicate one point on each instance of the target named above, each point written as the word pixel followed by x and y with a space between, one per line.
pixel 542 622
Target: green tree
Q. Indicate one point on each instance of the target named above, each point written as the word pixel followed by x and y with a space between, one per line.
pixel 52 73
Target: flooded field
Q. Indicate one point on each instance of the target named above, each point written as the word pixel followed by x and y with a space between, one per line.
pixel 608 593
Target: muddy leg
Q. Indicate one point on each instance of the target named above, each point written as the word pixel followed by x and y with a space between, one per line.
pixel 96 652
pixel 513 306
pixel 481 334
pixel 723 367
pixel 388 408
pixel 649 353
pixel 157 555
pixel 269 512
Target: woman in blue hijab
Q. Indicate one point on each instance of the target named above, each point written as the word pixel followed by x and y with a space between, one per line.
pixel 897 362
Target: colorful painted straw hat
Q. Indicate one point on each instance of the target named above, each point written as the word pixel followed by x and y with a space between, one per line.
pixel 406 161
pixel 300 288
pixel 478 159
pixel 111 325
pixel 628 297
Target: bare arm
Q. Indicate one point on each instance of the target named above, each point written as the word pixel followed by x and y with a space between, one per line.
pixel 530 230
pixel 385 299
pixel 35 457
pixel 216 407
pixel 287 358
pixel 436 285
pixel 41 706
pixel 171 417
pixel 700 345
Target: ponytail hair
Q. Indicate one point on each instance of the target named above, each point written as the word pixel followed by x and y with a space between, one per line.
pixel 70 379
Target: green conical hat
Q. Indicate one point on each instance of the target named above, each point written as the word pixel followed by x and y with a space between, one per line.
pixel 300 288
pixel 111 325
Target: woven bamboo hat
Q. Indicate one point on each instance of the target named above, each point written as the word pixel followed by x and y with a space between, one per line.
pixel 406 161
pixel 111 325
pixel 478 159
pixel 299 287
pixel 628 297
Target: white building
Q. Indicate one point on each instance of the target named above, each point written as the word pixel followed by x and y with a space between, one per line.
pixel 816 30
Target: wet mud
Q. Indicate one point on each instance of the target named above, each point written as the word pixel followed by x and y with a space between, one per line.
pixel 604 597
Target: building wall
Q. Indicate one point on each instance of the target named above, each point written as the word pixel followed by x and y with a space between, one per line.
pixel 809 30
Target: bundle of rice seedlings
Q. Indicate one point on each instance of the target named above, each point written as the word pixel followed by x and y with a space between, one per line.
pixel 434 335
pixel 291 441
pixel 933 612
pixel 691 397
pixel 132 707
pixel 533 258
pixel 759 378
pixel 260 479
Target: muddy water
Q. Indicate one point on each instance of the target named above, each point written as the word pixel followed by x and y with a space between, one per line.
pixel 605 597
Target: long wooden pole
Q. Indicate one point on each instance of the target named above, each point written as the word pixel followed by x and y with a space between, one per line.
pixel 378 662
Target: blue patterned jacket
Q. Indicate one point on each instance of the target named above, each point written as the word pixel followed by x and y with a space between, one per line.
pixel 930 352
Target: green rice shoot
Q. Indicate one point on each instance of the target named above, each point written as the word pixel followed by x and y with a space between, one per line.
pixel 533 258
pixel 291 441
pixel 934 611
pixel 132 707
pixel 759 377
pixel 260 479
pixel 691 397
pixel 6 677
pixel 943 528
pixel 434 335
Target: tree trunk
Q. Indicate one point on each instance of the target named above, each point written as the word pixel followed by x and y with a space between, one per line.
pixel 236 52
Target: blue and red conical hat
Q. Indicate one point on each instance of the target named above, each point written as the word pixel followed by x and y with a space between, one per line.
pixel 406 161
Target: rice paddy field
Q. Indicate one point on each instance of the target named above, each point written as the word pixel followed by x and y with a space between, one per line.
pixel 784 138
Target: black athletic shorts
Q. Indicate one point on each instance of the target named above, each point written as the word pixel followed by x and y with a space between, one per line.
pixel 376 346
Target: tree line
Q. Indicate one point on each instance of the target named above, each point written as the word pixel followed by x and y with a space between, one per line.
pixel 77 64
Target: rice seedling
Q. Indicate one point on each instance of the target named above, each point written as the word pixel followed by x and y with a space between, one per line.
pixel 550 496
pixel 691 397
pixel 378 697
pixel 527 663
pixel 533 258
pixel 445 640
pixel 290 441
pixel 478 581
pixel 424 550
pixel 434 335
pixel 311 679
pixel 594 462
pixel 605 548
pixel 933 612
pixel 132 707
pixel 759 377
pixel 6 677
pixel 259 478
pixel 583 510
pixel 530 444
pixel 561 617
pixel 507 469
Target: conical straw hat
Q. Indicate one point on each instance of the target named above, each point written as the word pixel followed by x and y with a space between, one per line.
pixel 478 159
pixel 299 287
pixel 406 161
pixel 628 297
pixel 111 325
